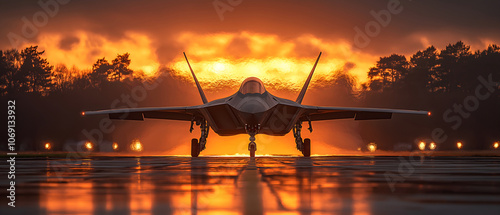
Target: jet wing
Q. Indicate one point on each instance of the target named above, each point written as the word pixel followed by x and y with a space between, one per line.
pixel 173 113
pixel 316 113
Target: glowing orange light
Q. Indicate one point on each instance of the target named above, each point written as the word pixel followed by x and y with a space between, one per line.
pixel 495 145
pixel 459 145
pixel 89 145
pixel 432 146
pixel 48 146
pixel 276 61
pixel 429 113
pixel 372 147
pixel 82 113
pixel 136 146
pixel 214 57
pixel 115 146
pixel 421 145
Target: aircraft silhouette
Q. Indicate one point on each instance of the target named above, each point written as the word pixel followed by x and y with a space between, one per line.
pixel 252 110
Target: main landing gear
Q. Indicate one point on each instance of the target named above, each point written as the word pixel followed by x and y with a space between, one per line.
pixel 198 146
pixel 305 145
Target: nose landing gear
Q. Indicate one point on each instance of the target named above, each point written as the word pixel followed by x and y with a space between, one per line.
pixel 252 147
pixel 252 130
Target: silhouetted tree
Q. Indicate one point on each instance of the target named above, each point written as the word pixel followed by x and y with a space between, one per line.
pixel 423 69
pixel 35 71
pixel 9 67
pixel 120 67
pixel 81 81
pixel 62 78
pixel 452 70
pixel 101 70
pixel 488 61
pixel 3 73
pixel 388 71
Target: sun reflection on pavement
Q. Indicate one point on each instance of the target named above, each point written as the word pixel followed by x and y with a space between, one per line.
pixel 234 185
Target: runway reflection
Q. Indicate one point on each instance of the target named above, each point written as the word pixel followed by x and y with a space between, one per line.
pixel 202 186
pixel 240 185
pixel 309 187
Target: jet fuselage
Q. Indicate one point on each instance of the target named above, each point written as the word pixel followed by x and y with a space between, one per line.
pixel 257 109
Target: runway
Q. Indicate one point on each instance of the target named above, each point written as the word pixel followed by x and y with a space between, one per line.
pixel 264 185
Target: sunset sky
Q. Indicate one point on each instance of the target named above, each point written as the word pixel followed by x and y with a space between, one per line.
pixel 274 40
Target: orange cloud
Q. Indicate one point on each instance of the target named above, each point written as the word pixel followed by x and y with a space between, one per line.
pixel 85 48
pixel 232 57
pixel 285 63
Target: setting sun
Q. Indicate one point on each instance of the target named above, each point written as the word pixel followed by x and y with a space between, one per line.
pixel 218 67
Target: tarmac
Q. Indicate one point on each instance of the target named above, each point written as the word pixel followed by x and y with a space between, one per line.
pixel 263 185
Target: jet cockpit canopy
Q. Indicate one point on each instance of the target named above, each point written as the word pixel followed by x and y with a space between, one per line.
pixel 252 85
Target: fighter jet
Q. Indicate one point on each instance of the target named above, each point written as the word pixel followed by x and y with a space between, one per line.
pixel 252 110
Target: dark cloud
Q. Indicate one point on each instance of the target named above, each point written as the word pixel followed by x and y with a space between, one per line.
pixel 68 42
pixel 238 47
pixel 471 21
pixel 167 52
pixel 304 49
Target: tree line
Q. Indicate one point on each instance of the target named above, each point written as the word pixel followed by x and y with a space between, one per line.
pixel 441 81
pixel 450 70
pixel 49 98
pixel 458 86
pixel 27 71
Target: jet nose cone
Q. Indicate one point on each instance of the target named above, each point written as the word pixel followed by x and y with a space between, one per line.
pixel 252 109
pixel 253 106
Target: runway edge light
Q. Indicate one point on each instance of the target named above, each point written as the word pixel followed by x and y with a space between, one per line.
pixel 89 145
pixel 47 146
pixel 372 147
pixel 432 146
pixel 421 145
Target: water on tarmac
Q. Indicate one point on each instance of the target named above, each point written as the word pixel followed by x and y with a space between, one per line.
pixel 264 185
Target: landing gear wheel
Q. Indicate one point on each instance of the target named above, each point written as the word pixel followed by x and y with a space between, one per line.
pixel 195 148
pixel 306 148
pixel 252 147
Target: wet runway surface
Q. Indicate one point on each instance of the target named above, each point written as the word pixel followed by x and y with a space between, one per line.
pixel 264 185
